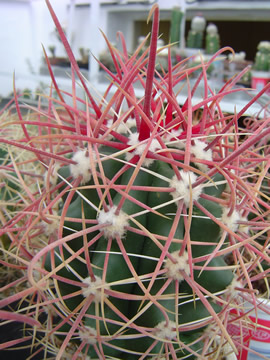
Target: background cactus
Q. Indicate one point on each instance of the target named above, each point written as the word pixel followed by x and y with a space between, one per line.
pixel 196 33
pixel 122 242
pixel 175 26
pixel 212 40
pixel 262 58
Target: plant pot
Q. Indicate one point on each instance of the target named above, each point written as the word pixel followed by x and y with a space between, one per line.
pixel 256 336
pixel 259 79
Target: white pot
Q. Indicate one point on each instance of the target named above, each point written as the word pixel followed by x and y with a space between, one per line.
pixel 255 336
pixel 259 79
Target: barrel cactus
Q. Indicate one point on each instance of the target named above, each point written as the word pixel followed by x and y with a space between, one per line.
pixel 123 243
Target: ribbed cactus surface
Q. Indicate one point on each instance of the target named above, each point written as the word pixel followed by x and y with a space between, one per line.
pixel 124 237
pixel 139 277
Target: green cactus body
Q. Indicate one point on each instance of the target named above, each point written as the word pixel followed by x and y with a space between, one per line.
pixel 195 40
pixel 175 29
pixel 212 44
pixel 262 61
pixel 196 33
pixel 159 225
pixel 153 196
pixel 144 254
pixel 117 269
pixel 212 40
pixel 262 58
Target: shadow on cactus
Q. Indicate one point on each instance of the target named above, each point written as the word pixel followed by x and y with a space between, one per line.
pixel 123 240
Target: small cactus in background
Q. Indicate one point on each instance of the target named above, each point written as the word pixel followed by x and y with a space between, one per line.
pixel 262 58
pixel 212 39
pixel 122 241
pixel 196 33
pixel 175 28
